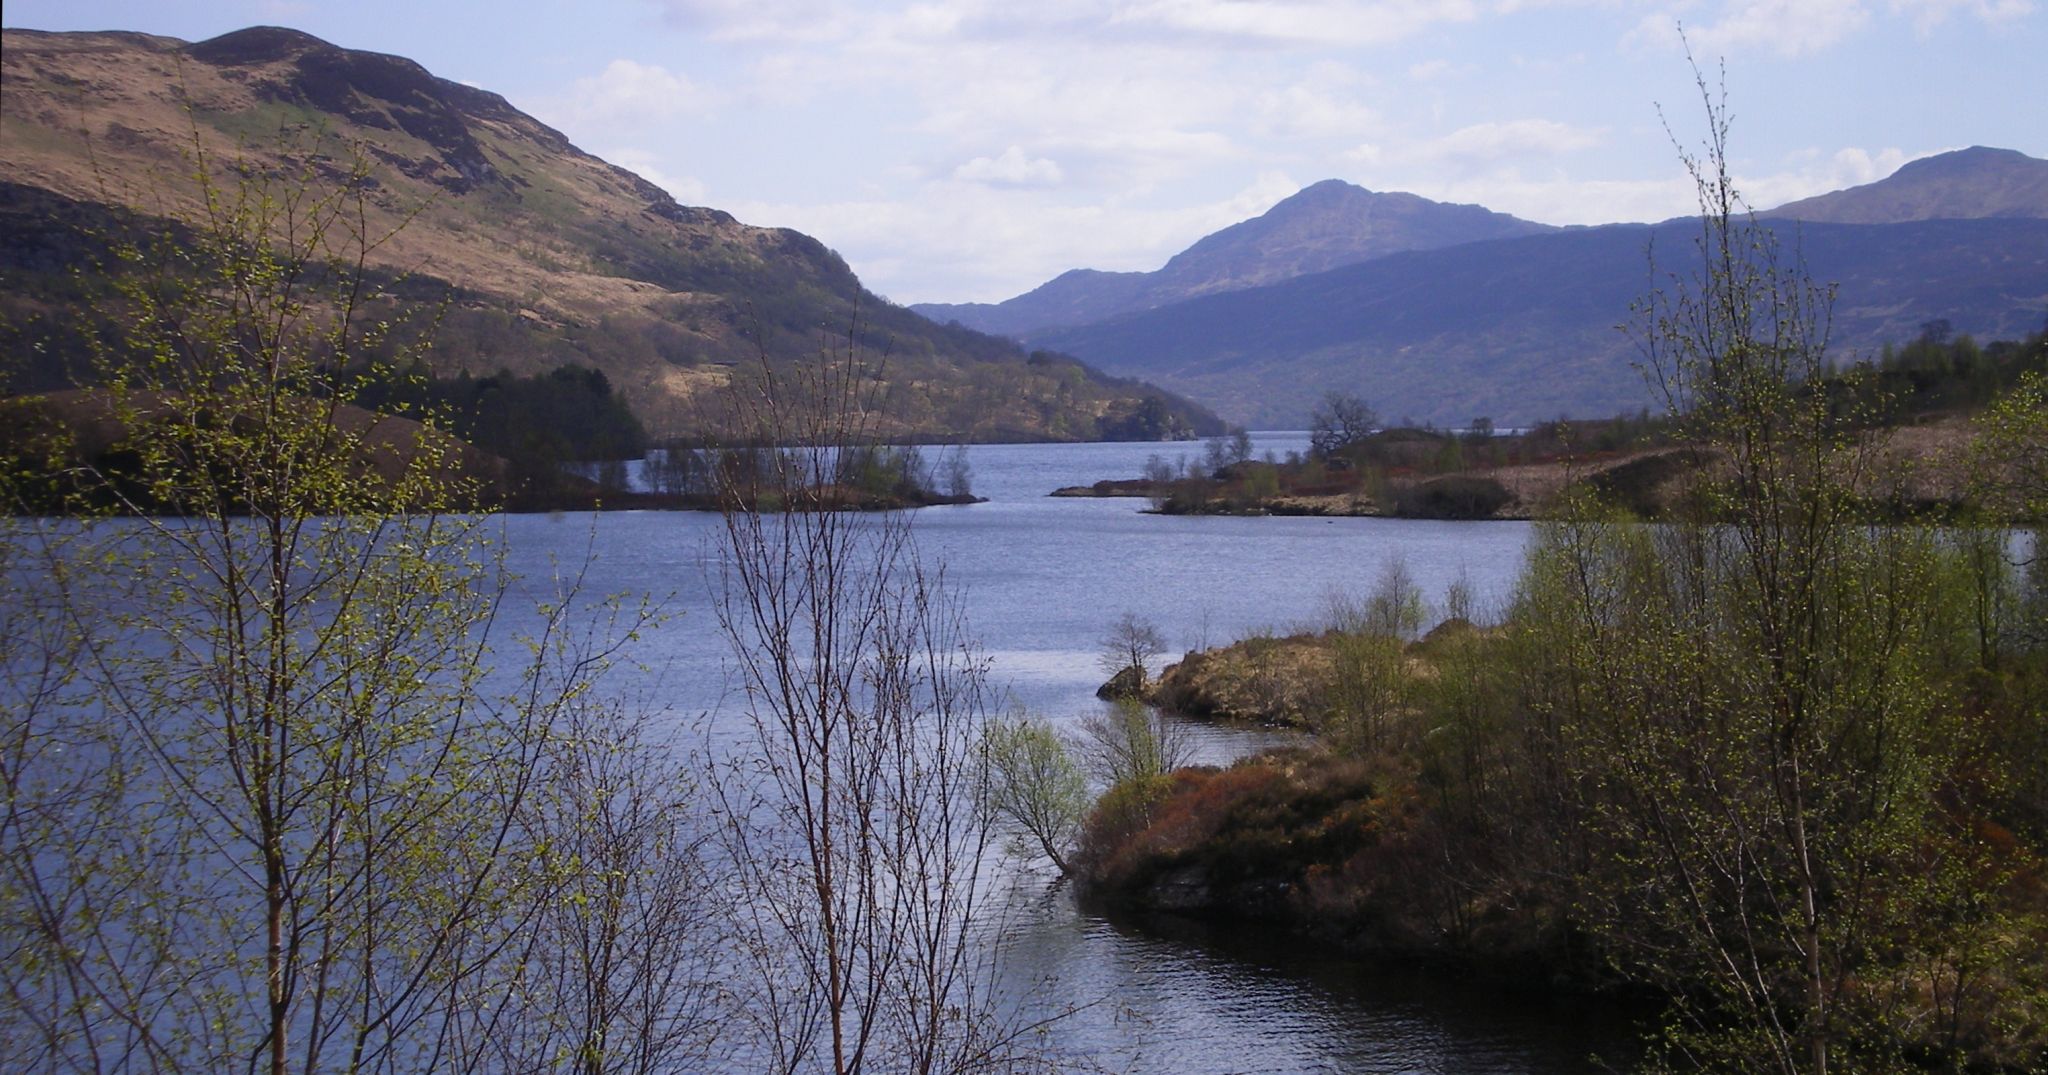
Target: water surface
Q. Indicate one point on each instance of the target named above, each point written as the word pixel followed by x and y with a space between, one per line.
pixel 1042 579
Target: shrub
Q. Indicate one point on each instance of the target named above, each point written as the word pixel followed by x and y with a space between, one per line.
pixel 1124 811
pixel 1453 496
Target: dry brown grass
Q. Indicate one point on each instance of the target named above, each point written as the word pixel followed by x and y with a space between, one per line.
pixel 1266 680
pixel 127 120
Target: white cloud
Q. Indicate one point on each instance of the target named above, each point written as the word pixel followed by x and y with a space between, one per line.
pixel 1131 128
pixel 1561 199
pixel 1927 14
pixel 1292 22
pixel 1224 24
pixel 1510 7
pixel 1366 153
pixel 1265 191
pixel 646 165
pixel 1490 142
pixel 1818 172
pixel 760 20
pixel 1565 199
pixel 1012 169
pixel 627 91
pixel 961 242
pixel 1327 102
pixel 1434 70
pixel 1785 27
pixel 1791 28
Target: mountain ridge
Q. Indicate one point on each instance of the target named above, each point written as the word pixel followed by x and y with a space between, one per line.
pixel 1322 226
pixel 1267 359
pixel 1526 329
pixel 1964 184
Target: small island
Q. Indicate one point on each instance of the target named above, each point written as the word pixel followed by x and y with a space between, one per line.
pixel 1912 412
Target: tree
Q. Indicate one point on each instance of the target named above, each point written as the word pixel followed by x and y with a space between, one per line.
pixel 1130 643
pixel 1742 701
pixel 677 472
pixel 1215 455
pixel 1035 784
pixel 958 472
pixel 2010 456
pixel 1338 422
pixel 1393 608
pixel 1159 477
pixel 854 830
pixel 614 975
pixel 1368 687
pixel 1240 445
pixel 277 810
pixel 1133 742
pixel 1368 690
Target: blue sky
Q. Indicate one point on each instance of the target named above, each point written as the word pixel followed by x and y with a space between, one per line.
pixel 962 150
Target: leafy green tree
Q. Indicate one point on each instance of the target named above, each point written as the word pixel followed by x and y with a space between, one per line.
pixel 2011 453
pixel 278 809
pixel 1369 687
pixel 1747 702
pixel 1035 784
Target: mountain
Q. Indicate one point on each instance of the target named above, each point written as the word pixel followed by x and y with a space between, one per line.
pixel 1525 329
pixel 1321 227
pixel 1967 184
pixel 546 254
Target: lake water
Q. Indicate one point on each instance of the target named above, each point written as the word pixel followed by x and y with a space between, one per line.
pixel 1042 579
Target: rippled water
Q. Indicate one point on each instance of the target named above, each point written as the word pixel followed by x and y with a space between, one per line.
pixel 1042 579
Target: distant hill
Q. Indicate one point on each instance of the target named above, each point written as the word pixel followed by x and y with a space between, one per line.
pixel 1325 226
pixel 1521 330
pixel 550 255
pixel 1522 326
pixel 1967 184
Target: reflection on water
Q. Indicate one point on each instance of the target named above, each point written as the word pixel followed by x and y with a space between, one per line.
pixel 1042 579
pixel 1171 994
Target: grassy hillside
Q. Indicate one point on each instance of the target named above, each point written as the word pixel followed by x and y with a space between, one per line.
pixel 544 254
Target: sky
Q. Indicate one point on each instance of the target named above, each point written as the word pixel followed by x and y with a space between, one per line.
pixel 970 150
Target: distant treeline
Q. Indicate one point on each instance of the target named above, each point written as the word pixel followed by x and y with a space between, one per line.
pixel 568 413
pixel 1939 371
pixel 867 476
pixel 1436 473
pixel 537 424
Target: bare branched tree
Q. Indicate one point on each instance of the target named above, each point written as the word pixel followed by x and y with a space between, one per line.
pixel 855 835
pixel 1130 740
pixel 615 975
pixel 1131 642
pixel 1338 422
